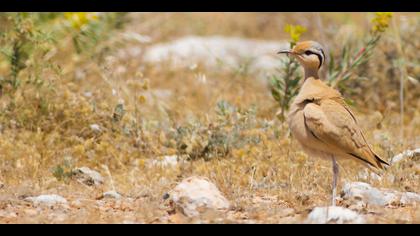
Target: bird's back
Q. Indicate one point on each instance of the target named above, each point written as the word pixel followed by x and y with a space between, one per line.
pixel 324 125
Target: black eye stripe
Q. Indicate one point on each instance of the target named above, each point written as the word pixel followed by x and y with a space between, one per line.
pixel 320 59
pixel 308 52
pixel 323 54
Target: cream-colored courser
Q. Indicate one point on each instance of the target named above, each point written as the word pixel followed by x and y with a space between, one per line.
pixel 320 119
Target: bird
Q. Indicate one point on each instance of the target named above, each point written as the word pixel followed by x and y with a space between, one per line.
pixel 320 119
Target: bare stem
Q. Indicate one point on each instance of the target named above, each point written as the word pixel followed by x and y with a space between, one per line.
pixel 403 73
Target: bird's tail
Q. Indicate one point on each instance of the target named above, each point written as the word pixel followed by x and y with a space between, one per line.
pixel 380 162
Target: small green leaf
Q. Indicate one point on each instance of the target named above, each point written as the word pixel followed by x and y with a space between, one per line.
pixel 118 112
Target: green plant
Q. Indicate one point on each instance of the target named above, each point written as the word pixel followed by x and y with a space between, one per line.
pixel 340 72
pixel 87 29
pixel 284 84
pixel 63 171
pixel 233 129
pixel 24 41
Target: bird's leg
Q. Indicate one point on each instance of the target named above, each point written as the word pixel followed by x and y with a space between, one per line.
pixel 335 177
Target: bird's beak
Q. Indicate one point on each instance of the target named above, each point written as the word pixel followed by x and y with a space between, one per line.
pixel 287 52
pixel 284 51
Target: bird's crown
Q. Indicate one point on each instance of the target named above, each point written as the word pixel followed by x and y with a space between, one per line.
pixel 312 46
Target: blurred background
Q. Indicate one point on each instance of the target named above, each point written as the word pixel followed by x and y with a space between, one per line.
pixel 124 90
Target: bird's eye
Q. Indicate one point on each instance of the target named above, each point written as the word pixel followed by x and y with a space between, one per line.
pixel 308 53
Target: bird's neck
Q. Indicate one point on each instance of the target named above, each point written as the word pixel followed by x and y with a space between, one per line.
pixel 310 72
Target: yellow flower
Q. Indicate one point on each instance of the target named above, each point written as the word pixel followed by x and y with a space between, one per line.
pixel 295 31
pixel 92 16
pixel 142 99
pixel 381 21
pixel 141 163
pixel 80 19
pixel 146 84
pixel 239 153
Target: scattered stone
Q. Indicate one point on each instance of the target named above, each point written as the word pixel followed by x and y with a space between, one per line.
pixel 409 198
pixel 196 194
pixel 111 194
pixel 165 161
pixel 333 214
pixel 31 212
pixel 8 214
pixel 95 128
pixel 87 176
pixel 137 37
pixel 358 206
pixel 88 94
pixel 79 74
pixel 49 200
pixel 1 185
pixel 130 222
pixel 406 154
pixel 359 191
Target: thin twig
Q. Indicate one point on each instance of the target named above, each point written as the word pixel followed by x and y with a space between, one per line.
pixel 110 176
pixel 403 72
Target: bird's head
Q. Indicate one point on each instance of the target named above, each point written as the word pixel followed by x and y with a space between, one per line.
pixel 310 54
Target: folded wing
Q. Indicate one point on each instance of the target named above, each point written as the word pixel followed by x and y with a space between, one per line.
pixel 332 123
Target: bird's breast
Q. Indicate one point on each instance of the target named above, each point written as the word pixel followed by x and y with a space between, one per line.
pixel 310 144
pixel 296 122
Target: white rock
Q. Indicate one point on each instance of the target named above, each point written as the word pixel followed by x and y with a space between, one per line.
pixel 216 51
pixel 130 222
pixel 7 214
pixel 334 214
pixel 88 176
pixel 135 51
pixel 52 199
pixel 405 154
pixel 196 193
pixel 409 198
pixel 137 37
pixel 381 197
pixel 166 161
pixel 95 127
pixel 88 94
pixel 111 194
pixel 79 74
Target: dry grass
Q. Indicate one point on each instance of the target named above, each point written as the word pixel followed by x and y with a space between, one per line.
pixel 262 170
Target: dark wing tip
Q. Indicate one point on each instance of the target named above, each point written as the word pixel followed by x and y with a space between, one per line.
pixel 381 160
